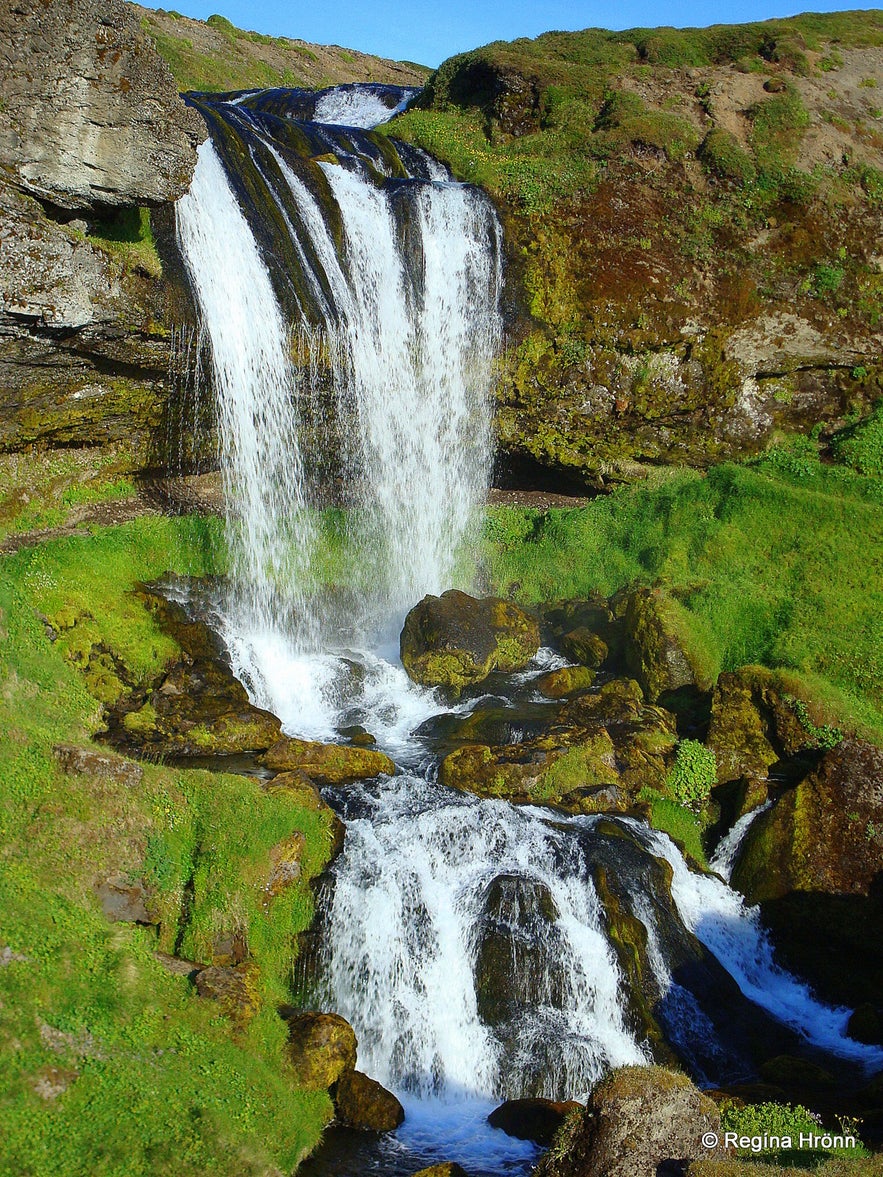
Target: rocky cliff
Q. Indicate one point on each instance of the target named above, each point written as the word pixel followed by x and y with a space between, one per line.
pixel 694 221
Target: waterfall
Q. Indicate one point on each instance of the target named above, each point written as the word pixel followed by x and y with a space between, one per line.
pixel 369 351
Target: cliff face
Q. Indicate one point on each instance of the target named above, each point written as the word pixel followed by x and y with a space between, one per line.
pixel 694 222
pixel 91 131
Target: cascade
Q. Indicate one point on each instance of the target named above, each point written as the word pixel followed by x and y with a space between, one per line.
pixel 349 292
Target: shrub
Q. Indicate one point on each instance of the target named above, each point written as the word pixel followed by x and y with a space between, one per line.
pixel 722 155
pixel 693 774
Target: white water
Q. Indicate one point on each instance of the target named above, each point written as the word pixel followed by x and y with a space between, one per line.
pixel 357 107
pixel 731 930
pixel 724 858
pixel 269 529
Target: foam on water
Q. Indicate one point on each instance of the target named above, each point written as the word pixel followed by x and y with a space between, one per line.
pixel 724 858
pixel 359 106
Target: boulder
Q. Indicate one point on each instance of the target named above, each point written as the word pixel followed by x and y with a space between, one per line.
pixel 532 1119
pixel 584 629
pixel 637 1119
pixel 655 653
pixel 321 1048
pixel 298 786
pixel 555 684
pixel 100 766
pixel 327 764
pixel 619 701
pixel 364 1103
pixel 285 864
pixel 537 772
pixel 126 901
pixel 445 1169
pixel 90 115
pixel 456 640
pixel 583 646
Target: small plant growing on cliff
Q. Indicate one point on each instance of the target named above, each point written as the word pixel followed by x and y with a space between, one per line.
pixel 693 773
pixel 824 736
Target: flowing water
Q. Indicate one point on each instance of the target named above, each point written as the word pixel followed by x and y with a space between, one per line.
pixel 350 293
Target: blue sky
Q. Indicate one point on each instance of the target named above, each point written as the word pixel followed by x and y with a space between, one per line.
pixel 428 31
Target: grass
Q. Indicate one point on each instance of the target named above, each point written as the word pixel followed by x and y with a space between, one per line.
pixel 112 1064
pixel 127 236
pixel 764 563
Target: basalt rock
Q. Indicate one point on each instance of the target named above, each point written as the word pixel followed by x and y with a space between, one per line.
pixel 362 1102
pixel 100 766
pixel 321 1048
pixel 654 649
pixel 637 1119
pixel 532 1119
pixel 456 640
pixel 567 680
pixel 234 988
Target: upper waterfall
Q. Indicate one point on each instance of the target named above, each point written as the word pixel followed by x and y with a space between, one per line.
pixel 351 300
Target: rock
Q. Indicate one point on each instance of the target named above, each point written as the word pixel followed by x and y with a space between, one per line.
pixel 445 1169
pixel 565 681
pixel 125 901
pixel 306 795
pixel 583 646
pixel 637 1119
pixel 234 988
pixel 532 1119
pixel 321 1048
pixel 327 764
pixel 90 115
pixel 103 766
pixel 619 701
pixel 363 1103
pixel 824 835
pixel 456 640
pixel 50 1082
pixel 178 966
pixel 814 862
pixel 787 1072
pixel 537 772
pixel 285 864
pixel 654 650
pixel 866 1024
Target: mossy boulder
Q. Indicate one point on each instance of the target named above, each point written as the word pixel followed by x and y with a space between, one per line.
pixel 445 1169
pixel 584 629
pixel 584 646
pixel 456 640
pixel 541 771
pixel 326 764
pixel 235 988
pixel 305 794
pixel 655 651
pixel 619 701
pixel 637 1119
pixel 363 1103
pixel 285 864
pixel 567 680
pixel 321 1048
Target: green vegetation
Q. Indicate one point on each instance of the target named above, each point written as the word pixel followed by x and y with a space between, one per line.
pixel 113 1064
pixel 678 821
pixel 860 446
pixel 127 236
pixel 765 1121
pixel 766 565
pixel 693 774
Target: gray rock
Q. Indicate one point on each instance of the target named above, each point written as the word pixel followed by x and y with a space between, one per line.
pixel 100 765
pixel 90 116
pixel 124 901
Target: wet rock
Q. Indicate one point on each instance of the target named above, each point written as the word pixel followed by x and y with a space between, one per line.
pixel 98 765
pixel 866 1024
pixel 584 629
pixel 540 771
pixel 532 1119
pixel 565 681
pixel 361 1102
pixel 321 1048
pixel 125 901
pixel 654 650
pixel 619 701
pixel 445 1169
pixel 637 1119
pixel 583 646
pixel 494 724
pixel 327 764
pixel 234 988
pixel 814 862
pixel 739 730
pixel 98 122
pixel 787 1072
pixel 456 640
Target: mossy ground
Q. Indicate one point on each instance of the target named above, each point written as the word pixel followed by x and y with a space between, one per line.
pixel 112 1064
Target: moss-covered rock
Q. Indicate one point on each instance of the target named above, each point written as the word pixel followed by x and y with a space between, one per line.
pixel 326 764
pixel 532 1119
pixel 363 1103
pixel 555 684
pixel 235 988
pixel 456 640
pixel 321 1048
pixel 655 651
pixel 637 1119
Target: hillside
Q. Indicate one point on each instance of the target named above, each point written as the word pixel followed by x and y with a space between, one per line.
pixel 214 55
pixel 693 219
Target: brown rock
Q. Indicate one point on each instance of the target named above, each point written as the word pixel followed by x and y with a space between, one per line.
pixel 285 864
pixel 363 1103
pixel 445 1169
pixel 654 649
pixel 637 1119
pixel 234 988
pixel 100 765
pixel 321 1048
pixel 125 901
pixel 555 684
pixel 532 1119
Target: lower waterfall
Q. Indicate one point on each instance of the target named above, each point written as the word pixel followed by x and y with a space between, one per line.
pixel 350 293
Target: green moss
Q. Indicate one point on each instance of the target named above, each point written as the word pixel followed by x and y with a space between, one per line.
pixel 722 155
